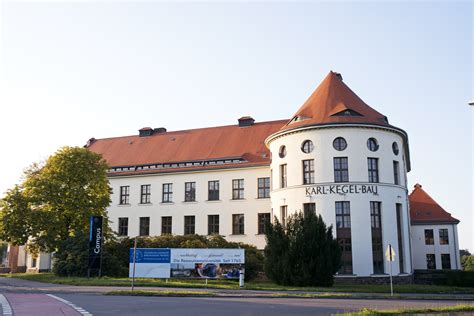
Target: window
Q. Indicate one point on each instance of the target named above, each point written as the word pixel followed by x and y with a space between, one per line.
pixel 308 171
pixel 263 188
pixel 339 144
pixel 398 208
pixel 167 193
pixel 377 245
pixel 343 233
pixel 123 226
pixel 166 225
pixel 443 237
pixel 144 226
pixel 445 261
pixel 189 225
pixel 395 148
pixel 309 208
pixel 341 169
pixel 283 213
pixel 190 191
pixel 124 195
pixel 213 224
pixel 343 214
pixel 430 261
pixel 372 144
pixel 373 165
pixel 213 190
pixel 237 189
pixel 307 146
pixel 396 172
pixel 33 262
pixel 238 224
pixel 263 218
pixel 429 240
pixel 283 176
pixel 282 152
pixel 145 194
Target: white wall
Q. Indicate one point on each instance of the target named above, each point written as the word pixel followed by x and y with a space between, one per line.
pixel 294 195
pixel 420 249
pixel 250 206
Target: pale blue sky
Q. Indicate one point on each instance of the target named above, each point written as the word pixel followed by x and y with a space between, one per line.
pixel 71 71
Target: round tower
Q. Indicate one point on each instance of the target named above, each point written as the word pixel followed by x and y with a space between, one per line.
pixel 341 159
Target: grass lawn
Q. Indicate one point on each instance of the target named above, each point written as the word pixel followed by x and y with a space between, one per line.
pixel 233 284
pixel 411 311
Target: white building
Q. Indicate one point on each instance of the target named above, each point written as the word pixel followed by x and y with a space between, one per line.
pixel 336 156
pixel 434 233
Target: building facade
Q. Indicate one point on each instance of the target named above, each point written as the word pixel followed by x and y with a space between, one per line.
pixel 336 157
pixel 434 233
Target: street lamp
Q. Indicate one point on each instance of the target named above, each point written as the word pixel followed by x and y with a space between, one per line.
pixel 471 103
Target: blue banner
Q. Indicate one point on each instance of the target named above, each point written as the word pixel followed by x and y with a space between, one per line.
pixel 151 255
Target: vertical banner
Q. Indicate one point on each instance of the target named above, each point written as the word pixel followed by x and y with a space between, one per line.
pixel 95 242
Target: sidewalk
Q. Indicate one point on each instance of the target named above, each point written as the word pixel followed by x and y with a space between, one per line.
pixel 18 285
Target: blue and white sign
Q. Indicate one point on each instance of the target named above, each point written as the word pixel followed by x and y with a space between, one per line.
pixel 150 263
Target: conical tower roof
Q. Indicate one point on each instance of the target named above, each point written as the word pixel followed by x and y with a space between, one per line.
pixel 334 102
pixel 424 209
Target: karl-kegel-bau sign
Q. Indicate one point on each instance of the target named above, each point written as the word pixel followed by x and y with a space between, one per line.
pixel 341 189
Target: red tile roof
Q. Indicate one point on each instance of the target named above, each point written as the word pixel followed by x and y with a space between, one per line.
pixel 203 144
pixel 328 103
pixel 425 210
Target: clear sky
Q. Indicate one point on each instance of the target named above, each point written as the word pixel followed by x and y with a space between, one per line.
pixel 75 70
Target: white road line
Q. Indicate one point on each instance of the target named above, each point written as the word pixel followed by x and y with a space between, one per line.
pixel 6 308
pixel 76 308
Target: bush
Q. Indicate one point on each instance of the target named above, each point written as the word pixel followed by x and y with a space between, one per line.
pixel 459 278
pixel 72 257
pixel 302 254
pixel 467 263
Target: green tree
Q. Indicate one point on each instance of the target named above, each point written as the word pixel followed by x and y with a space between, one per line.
pixel 304 253
pixel 55 200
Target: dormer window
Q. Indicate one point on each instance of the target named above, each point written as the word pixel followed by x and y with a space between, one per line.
pixel 298 118
pixel 347 112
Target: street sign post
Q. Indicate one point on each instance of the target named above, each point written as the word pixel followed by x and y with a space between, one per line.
pixel 390 255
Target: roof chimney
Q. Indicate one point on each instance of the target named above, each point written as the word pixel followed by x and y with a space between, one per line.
pixel 145 131
pixel 90 142
pixel 246 121
pixel 159 130
pixel 338 75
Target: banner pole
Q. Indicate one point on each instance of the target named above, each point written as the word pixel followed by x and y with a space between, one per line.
pixel 134 259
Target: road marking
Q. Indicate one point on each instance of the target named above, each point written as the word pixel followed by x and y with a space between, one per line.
pixel 6 308
pixel 76 308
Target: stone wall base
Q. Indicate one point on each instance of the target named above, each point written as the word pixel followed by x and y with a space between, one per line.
pixel 18 269
pixel 350 280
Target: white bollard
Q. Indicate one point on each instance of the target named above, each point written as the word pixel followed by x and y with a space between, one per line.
pixel 241 277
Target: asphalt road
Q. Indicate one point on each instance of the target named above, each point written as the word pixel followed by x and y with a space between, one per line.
pixel 127 305
pixel 27 298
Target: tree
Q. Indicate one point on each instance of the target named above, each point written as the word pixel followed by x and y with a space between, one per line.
pixel 303 253
pixel 55 200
